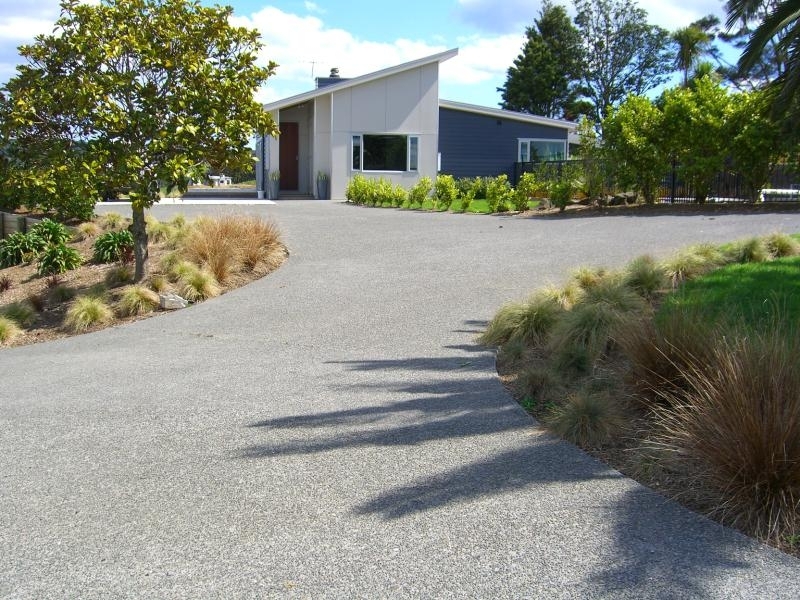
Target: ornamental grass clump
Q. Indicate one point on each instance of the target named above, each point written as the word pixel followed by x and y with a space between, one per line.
pixel 736 424
pixel 87 311
pixel 645 276
pixel 748 251
pixel 22 313
pixel 588 418
pixel 781 245
pixel 198 285
pixel 9 330
pixel 138 300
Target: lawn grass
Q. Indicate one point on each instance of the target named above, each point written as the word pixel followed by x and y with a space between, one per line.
pixel 752 293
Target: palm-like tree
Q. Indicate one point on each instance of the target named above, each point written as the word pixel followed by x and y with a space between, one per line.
pixel 692 43
pixel 781 25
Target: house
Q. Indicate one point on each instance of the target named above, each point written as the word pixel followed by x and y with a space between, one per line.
pixel 392 124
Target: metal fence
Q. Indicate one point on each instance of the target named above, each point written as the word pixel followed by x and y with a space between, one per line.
pixel 725 186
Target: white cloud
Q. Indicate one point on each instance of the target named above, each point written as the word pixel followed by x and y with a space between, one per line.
pixel 313 7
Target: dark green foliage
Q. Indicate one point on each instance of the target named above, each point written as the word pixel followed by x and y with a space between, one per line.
pixel 19 247
pixel 544 78
pixel 58 258
pixel 112 246
pixel 51 232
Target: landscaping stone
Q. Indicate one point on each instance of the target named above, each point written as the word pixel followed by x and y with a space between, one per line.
pixel 171 302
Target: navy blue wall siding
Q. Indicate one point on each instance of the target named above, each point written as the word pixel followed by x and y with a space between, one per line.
pixel 475 145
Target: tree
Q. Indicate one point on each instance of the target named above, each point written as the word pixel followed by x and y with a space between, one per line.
pixel 634 145
pixel 778 36
pixel 693 42
pixel 151 90
pixel 544 77
pixel 743 19
pixel 696 131
pixel 622 53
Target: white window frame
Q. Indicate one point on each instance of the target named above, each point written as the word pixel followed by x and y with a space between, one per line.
pixel 527 142
pixel 357 141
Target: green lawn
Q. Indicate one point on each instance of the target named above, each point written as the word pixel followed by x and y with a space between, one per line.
pixel 756 293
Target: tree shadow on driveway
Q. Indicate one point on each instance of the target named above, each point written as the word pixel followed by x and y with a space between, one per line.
pixel 655 549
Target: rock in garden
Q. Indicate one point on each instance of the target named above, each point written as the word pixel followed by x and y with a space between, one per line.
pixel 171 301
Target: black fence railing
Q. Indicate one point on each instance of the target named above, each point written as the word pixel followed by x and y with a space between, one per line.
pixel 725 186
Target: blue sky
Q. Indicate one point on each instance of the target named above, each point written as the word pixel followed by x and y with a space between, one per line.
pixel 358 37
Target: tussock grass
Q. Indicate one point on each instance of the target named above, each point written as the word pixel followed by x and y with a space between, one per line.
pixel 111 220
pixel 689 263
pixel 9 330
pixel 781 245
pixel 199 285
pixel 588 277
pixel 752 250
pixel 738 422
pixel 540 384
pixel 138 300
pixel 61 293
pixel 22 313
pixel 566 296
pixel 119 275
pixel 504 324
pixel 588 419
pixel 182 269
pixel 157 231
pixel 158 283
pixel 86 230
pixel 87 311
pixel 645 276
pixel 230 245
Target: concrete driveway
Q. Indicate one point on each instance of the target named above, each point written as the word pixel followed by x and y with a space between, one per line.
pixel 333 431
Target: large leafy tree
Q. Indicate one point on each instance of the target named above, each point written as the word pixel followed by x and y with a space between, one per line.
pixel 634 146
pixel 622 53
pixel 744 17
pixel 138 94
pixel 544 78
pixel 776 39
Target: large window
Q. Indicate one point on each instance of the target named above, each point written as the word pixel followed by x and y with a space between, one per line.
pixel 534 150
pixel 385 152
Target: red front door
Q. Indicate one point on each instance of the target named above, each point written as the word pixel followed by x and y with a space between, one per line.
pixel 289 156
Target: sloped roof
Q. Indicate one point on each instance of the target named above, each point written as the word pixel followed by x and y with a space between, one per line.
pixel 507 114
pixel 348 83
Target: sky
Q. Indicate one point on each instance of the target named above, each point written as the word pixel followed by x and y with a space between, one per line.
pixel 308 38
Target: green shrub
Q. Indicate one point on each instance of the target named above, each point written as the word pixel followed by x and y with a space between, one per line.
pixel 527 188
pixel 138 300
pixel 8 330
pixel 58 258
pixel 22 313
pixel 445 192
pixel 19 248
pixel 561 193
pixel 51 232
pixel 588 419
pixel 420 192
pixel 87 311
pixel 498 193
pixel 113 246
pixel 359 190
pixel 465 200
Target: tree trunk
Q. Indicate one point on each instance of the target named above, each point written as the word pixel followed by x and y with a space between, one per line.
pixel 139 231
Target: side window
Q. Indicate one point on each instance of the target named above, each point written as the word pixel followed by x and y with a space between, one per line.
pixel 356 163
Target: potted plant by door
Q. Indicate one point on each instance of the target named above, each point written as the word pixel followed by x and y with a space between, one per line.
pixel 322 186
pixel 274 184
